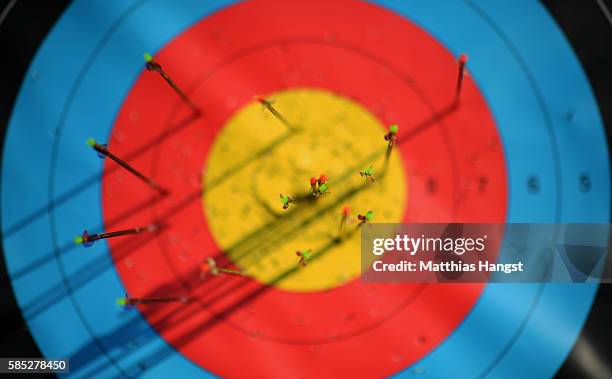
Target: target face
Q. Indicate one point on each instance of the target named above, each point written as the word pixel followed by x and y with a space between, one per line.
pixel 504 153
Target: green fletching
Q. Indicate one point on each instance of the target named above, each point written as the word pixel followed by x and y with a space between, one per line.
pixel 147 57
pixel 369 170
pixel 78 240
pixel 394 128
pixel 284 199
pixel 91 142
pixel 121 301
pixel 323 187
pixel 306 254
pixel 369 216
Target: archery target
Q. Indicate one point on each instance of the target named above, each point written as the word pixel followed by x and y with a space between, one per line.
pixel 507 152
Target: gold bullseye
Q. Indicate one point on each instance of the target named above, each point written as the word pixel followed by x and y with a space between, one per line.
pixel 259 158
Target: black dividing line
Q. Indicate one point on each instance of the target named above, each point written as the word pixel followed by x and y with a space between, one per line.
pixel 22 28
pixel 525 68
pixel 53 162
pixel 590 34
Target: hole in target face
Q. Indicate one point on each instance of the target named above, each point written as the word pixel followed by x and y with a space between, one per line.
pixel 226 168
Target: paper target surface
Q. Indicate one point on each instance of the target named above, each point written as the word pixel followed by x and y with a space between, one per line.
pixel 519 147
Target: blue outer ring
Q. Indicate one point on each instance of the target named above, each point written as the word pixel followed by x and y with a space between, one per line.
pixel 67 97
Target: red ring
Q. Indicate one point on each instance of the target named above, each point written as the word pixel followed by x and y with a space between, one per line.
pixel 227 58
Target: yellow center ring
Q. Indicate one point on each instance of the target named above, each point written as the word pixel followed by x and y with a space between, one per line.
pixel 261 158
